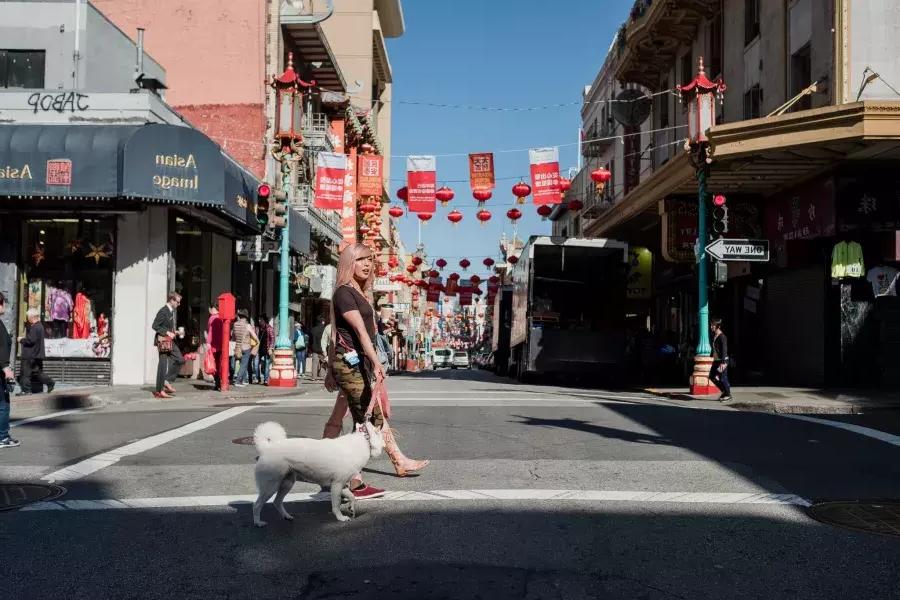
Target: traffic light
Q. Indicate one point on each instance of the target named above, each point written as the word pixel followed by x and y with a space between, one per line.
pixel 262 204
pixel 719 215
pixel 278 210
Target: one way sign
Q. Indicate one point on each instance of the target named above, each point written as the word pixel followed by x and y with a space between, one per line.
pixel 739 250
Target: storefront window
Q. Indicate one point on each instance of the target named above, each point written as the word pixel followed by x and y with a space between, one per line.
pixel 68 277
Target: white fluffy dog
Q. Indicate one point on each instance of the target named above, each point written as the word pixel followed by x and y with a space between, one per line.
pixel 329 462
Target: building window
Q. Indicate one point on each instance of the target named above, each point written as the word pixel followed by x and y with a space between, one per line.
pixel 753 99
pixel 751 20
pixel 715 46
pixel 801 75
pixel 662 105
pixel 687 67
pixel 22 69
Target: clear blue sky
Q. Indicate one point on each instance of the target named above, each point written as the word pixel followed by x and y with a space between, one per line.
pixel 491 53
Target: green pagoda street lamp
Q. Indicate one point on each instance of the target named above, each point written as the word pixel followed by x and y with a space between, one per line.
pixel 700 96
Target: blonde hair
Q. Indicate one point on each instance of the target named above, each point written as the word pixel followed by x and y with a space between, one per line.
pixel 32 313
pixel 346 265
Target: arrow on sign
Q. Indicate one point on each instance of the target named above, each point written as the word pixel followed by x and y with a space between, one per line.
pixel 739 250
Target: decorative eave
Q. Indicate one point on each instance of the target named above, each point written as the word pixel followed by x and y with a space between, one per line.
pixel 650 40
pixel 768 155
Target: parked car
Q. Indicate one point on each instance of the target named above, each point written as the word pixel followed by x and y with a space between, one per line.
pixel 442 357
pixel 460 360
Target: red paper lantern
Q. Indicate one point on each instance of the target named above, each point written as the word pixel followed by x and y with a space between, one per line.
pixel 464 263
pixel 410 269
pixel 514 214
pixel 488 262
pixel 364 229
pixel 441 263
pixel 424 216
pixel 484 216
pixel 417 260
pixel 475 279
pixel 382 271
pixel 512 259
pixel 493 279
pixel 453 276
pixel 403 193
pixel 482 195
pixel 433 273
pixel 544 210
pixel 367 208
pixel 444 195
pixel 521 191
pixel 393 261
pixel 564 184
pixel 576 204
pixel 454 217
pixel 600 177
pixel 395 211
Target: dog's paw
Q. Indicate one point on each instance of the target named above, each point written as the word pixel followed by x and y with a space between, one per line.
pixel 260 523
pixel 342 518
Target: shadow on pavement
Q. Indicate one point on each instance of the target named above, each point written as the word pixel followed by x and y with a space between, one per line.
pixel 496 551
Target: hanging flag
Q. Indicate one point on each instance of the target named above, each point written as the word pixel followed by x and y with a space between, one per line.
pixel 481 171
pixel 369 175
pixel 348 212
pixel 545 175
pixel 331 169
pixel 421 178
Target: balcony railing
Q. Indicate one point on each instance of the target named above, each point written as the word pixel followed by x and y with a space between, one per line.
pixel 325 222
pixel 597 140
pixel 315 131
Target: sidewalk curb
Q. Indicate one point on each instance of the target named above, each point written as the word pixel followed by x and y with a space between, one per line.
pixel 829 407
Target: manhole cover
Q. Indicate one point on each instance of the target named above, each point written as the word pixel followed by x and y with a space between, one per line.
pixel 243 441
pixel 872 516
pixel 17 495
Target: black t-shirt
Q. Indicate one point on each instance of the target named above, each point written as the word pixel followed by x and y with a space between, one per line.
pixel 720 348
pixel 346 298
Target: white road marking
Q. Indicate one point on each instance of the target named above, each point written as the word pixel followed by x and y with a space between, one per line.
pixel 61 413
pixel 468 401
pixel 101 461
pixel 537 495
pixel 859 429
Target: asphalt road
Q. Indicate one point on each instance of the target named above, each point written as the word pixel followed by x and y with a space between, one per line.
pixel 533 492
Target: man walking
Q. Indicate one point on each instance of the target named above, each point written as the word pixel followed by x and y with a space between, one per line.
pixel 319 363
pixel 300 348
pixel 33 355
pixel 6 380
pixel 170 358
pixel 718 374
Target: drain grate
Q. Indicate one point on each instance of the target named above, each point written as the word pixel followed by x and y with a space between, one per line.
pixel 872 516
pixel 17 495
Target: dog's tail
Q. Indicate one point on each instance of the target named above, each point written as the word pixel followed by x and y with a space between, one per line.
pixel 268 433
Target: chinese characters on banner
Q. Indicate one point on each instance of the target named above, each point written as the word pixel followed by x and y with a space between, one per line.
pixel 481 171
pixel 434 289
pixel 465 294
pixel 421 177
pixel 369 174
pixel 348 212
pixel 331 169
pixel 545 175
pixel 450 288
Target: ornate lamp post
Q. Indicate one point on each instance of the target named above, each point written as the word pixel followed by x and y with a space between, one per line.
pixel 700 96
pixel 287 149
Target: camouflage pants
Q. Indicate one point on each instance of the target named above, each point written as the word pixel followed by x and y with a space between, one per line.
pixel 356 386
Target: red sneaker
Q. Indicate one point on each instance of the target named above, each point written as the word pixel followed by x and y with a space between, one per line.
pixel 367 492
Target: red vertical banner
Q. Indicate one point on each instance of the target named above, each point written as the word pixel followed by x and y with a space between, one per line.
pixel 421 180
pixel 481 171
pixel 465 295
pixel 545 175
pixel 370 168
pixel 434 289
pixel 348 212
pixel 331 170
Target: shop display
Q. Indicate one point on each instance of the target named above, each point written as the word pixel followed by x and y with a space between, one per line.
pixel 884 280
pixel 847 260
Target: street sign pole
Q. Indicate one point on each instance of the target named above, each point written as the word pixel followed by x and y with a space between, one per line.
pixel 703 347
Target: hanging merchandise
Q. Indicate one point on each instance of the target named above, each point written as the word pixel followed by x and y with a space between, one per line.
pixel 97 252
pixel 481 171
pixel 545 175
pixel 883 280
pixel 847 260
pixel 81 327
pixel 421 177
pixel 38 255
pixel 370 169
pixel 331 171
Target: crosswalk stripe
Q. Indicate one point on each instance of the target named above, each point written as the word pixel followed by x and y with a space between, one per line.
pixel 538 495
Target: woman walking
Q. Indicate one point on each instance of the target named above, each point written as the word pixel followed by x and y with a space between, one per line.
pixel 354 366
pixel 244 335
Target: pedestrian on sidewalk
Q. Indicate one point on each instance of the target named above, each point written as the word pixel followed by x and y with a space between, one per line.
pixel 718 374
pixel 354 364
pixel 6 381
pixel 317 342
pixel 300 346
pixel 243 339
pixel 170 358
pixel 33 354
pixel 254 353
pixel 267 348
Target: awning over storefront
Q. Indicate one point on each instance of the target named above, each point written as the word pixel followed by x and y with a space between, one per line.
pixel 149 163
